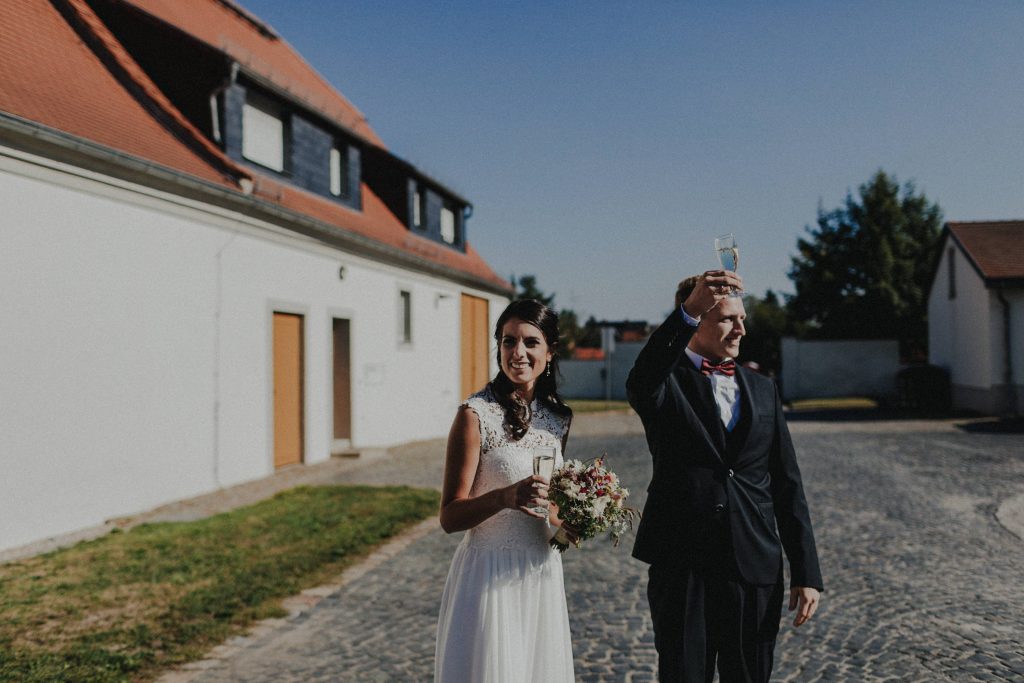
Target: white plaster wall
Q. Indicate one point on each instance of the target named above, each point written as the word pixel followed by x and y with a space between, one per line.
pixel 106 351
pixel 996 335
pixel 941 313
pixel 584 378
pixel 828 369
pixel 1016 299
pixel 136 348
pixel 960 329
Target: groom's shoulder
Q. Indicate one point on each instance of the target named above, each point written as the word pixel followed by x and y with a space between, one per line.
pixel 758 381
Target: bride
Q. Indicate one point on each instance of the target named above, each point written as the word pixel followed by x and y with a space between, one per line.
pixel 503 616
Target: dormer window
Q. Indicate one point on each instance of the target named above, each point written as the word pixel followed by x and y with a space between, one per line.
pixel 417 209
pixel 339 171
pixel 447 225
pixel 263 134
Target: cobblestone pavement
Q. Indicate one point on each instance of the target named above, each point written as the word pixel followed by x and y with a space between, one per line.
pixel 923 584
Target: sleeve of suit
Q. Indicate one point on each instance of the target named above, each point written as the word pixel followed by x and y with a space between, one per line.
pixel 791 511
pixel 662 353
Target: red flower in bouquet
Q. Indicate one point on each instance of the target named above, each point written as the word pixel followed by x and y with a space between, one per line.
pixel 591 499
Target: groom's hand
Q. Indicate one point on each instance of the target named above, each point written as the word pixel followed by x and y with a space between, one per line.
pixel 712 287
pixel 805 601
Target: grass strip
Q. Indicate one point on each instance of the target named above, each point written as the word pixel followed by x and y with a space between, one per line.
pixel 598 406
pixel 128 605
pixel 846 403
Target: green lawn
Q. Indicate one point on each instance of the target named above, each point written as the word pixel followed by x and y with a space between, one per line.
pixel 128 605
pixel 587 406
pixel 849 403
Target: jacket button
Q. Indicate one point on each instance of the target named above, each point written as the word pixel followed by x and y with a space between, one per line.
pixel 718 509
pixel 731 473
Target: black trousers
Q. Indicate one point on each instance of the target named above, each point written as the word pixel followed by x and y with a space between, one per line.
pixel 702 616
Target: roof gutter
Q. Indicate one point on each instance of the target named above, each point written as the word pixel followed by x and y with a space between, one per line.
pixel 35 138
pixel 1011 388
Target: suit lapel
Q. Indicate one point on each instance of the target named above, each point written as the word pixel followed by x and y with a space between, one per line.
pixel 746 394
pixel 697 388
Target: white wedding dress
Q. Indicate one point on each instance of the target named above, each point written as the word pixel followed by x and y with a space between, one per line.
pixel 503 615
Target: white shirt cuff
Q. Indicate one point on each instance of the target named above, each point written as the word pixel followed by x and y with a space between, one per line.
pixel 690 320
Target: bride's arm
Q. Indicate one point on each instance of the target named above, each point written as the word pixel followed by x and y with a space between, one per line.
pixel 460 512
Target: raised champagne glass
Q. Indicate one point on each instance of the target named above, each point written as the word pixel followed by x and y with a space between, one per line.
pixel 543 465
pixel 729 256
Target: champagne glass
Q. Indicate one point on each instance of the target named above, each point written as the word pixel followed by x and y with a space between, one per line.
pixel 729 256
pixel 544 465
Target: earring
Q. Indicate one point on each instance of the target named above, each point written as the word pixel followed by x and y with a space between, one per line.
pixel 548 371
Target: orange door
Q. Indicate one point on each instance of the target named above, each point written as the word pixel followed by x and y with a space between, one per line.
pixel 475 344
pixel 287 389
pixel 342 381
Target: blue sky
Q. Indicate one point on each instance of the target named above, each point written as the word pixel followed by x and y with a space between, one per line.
pixel 604 145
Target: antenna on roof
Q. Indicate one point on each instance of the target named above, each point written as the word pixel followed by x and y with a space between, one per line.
pixel 261 26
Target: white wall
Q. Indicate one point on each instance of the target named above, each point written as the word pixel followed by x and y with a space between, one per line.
pixel 960 329
pixel 585 378
pixel 136 347
pixel 1016 299
pixel 828 369
pixel 965 336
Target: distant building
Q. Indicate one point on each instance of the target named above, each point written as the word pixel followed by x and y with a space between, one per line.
pixel 976 314
pixel 212 266
pixel 600 373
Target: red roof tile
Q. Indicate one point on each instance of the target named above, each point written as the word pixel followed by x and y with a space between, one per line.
pixel 376 222
pixel 995 247
pixel 227 27
pixel 48 75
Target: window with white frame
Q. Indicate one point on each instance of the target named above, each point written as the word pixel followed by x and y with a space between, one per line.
pixel 417 208
pixel 405 311
pixel 263 131
pixel 339 171
pixel 447 225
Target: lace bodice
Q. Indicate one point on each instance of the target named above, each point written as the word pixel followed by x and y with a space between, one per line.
pixel 504 462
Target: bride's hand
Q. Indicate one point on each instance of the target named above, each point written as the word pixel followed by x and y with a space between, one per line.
pixel 571 532
pixel 526 494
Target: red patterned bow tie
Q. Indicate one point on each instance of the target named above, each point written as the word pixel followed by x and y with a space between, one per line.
pixel 726 367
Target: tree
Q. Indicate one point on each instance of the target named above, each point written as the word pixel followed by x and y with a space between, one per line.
pixel 569 330
pixel 864 272
pixel 526 288
pixel 767 322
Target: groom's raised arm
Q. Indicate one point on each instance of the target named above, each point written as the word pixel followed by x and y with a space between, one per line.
pixel 665 348
pixel 660 355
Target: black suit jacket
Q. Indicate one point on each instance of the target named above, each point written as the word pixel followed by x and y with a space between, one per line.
pixel 715 499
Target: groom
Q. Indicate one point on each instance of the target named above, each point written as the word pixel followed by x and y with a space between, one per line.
pixel 725 475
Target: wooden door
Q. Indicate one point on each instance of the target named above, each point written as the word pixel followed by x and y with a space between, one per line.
pixel 342 381
pixel 288 401
pixel 475 344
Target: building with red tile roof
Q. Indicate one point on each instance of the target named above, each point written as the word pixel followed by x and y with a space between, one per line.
pixel 213 267
pixel 109 100
pixel 976 314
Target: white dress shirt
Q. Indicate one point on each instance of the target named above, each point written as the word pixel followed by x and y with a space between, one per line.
pixel 724 388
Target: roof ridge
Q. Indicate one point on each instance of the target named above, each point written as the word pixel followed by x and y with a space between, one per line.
pixel 317 95
pixel 988 222
pixel 84 19
pixel 257 23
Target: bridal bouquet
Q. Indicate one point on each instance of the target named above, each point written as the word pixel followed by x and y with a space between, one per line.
pixel 590 498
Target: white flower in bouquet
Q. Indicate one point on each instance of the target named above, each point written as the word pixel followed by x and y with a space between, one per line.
pixel 591 499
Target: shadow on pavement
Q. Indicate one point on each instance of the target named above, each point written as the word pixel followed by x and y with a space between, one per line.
pixel 1011 425
pixel 870 415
